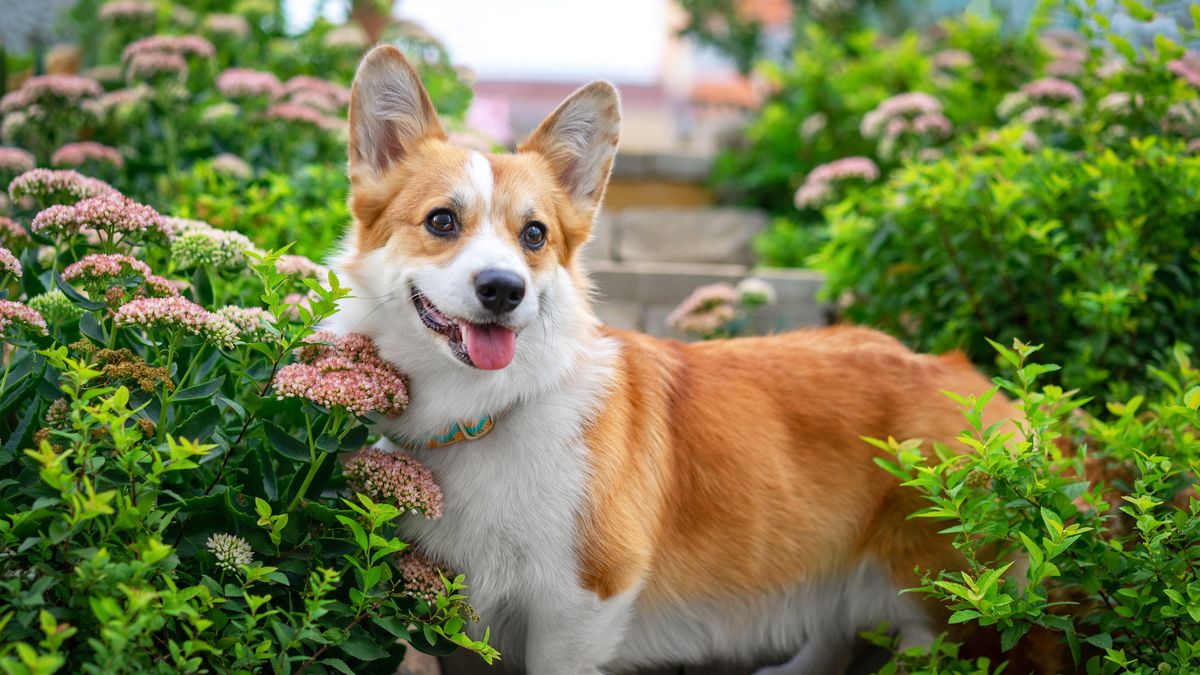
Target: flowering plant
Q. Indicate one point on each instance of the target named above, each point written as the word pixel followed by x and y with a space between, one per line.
pixel 174 499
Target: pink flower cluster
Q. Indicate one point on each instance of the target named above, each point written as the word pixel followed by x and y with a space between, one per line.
pixel 56 220
pixel 232 165
pixel 1052 89
pixel 78 154
pixel 346 373
pixel 1186 70
pixel 298 265
pixel 117 214
pixel 100 270
pixel 706 311
pixel 11 233
pixel 46 186
pixel 952 59
pixel 119 11
pixel 180 45
pixel 901 106
pixel 421 577
pixel 54 90
pixel 395 478
pixel 247 83
pixel 16 160
pixel 116 100
pixel 312 91
pixel 9 262
pixel 818 184
pixel 148 66
pixel 294 112
pixel 178 313
pixel 15 313
pixel 227 25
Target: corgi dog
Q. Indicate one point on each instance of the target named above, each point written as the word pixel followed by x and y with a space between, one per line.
pixel 617 500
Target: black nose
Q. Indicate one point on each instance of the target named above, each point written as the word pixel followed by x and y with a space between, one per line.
pixel 499 290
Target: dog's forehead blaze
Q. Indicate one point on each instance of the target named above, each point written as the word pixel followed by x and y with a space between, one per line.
pixel 508 192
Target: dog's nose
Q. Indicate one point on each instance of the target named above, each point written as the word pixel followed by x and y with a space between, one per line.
pixel 499 290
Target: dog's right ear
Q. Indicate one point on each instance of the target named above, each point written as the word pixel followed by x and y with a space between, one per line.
pixel 390 112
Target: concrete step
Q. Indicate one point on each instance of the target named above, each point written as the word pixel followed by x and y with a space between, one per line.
pixel 721 235
pixel 639 295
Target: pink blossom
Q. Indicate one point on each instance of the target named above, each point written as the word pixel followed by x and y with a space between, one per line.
pixel 232 165
pixel 293 112
pixel 314 85
pixel 58 219
pixel 422 577
pixel 100 270
pixel 180 45
pixel 177 227
pixel 933 124
pixel 21 315
pixel 1067 62
pixel 1120 102
pixel 347 373
pixel 115 100
pixel 116 213
pixel 951 59
pixel 150 65
pixel 11 233
pixel 298 265
pixel 51 90
pixel 314 100
pixel 395 478
pixel 844 169
pixel 813 194
pixel 1186 71
pixel 227 25
pixel 707 310
pixel 16 160
pixel 177 313
pixel 247 83
pixel 1053 89
pixel 46 186
pixel 812 125
pixel 9 262
pixel 120 11
pixel 907 104
pixel 78 154
pixel 1193 146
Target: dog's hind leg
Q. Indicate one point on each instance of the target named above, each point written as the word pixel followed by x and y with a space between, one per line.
pixel 820 656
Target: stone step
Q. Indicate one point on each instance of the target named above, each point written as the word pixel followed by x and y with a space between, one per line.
pixel 720 235
pixel 639 295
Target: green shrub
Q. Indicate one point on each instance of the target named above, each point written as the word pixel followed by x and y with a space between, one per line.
pixel 823 93
pixel 307 207
pixel 1093 253
pixel 1103 509
pixel 171 493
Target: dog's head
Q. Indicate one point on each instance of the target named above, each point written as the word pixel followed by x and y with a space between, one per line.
pixel 477 248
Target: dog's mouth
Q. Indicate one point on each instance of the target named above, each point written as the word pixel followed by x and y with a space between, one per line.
pixel 487 346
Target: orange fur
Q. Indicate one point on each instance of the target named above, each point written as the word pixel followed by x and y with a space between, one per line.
pixel 737 466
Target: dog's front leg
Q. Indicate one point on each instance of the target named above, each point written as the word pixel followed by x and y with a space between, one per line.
pixel 575 633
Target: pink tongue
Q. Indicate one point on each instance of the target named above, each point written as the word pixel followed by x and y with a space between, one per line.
pixel 490 346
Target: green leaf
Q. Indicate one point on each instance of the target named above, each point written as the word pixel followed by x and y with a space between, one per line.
pixel 284 444
pixel 338 665
pixel 200 391
pixel 1101 640
pixel 77 297
pixel 1011 634
pixel 363 649
pixel 200 425
pixel 90 328
pixel 392 625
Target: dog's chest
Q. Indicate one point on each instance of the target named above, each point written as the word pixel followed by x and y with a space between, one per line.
pixel 512 502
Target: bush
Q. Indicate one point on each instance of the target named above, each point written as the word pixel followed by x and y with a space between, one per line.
pixel 1103 509
pixel 1091 252
pixel 172 495
pixel 823 94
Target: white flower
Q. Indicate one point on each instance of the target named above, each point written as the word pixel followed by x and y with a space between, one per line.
pixel 231 551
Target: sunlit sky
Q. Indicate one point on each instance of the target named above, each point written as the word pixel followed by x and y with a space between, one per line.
pixel 545 40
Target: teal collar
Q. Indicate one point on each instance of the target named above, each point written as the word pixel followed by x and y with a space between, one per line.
pixel 458 431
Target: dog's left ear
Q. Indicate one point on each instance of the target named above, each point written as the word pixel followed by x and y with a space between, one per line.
pixel 579 140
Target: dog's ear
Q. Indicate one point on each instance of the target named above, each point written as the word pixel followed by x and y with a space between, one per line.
pixel 390 111
pixel 579 140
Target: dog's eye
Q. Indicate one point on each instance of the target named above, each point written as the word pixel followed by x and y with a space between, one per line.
pixel 441 222
pixel 533 236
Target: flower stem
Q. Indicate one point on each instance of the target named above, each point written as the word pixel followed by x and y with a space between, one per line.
pixel 308 479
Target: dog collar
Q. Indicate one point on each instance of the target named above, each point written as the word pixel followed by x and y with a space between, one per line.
pixel 458 431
